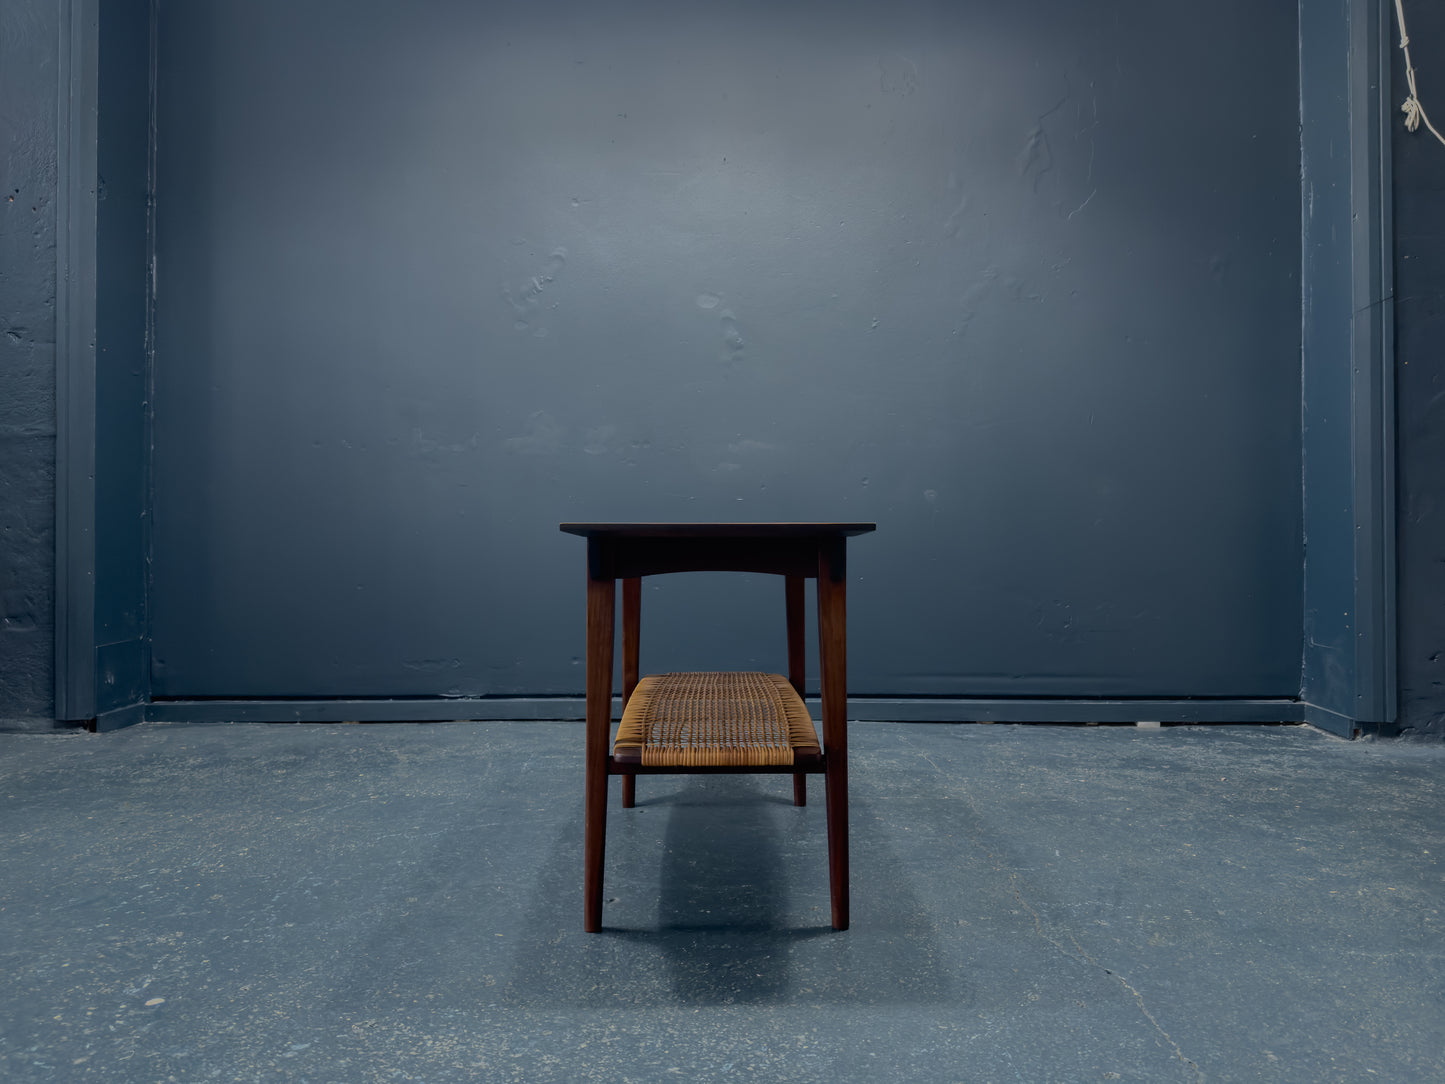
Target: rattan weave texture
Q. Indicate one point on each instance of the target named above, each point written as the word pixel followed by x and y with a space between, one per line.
pixel 732 718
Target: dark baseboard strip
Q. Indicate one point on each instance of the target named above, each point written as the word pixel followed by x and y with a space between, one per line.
pixel 421 710
pixel 863 709
pixel 119 718
pixel 928 710
pixel 1332 722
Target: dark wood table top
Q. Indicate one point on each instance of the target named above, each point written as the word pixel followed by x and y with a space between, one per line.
pixel 717 530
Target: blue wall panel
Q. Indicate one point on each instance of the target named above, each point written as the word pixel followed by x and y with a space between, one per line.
pixel 1419 204
pixel 435 277
pixel 1347 673
pixel 29 52
pixel 122 437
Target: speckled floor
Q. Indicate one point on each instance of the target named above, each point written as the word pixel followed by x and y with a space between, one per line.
pixel 402 903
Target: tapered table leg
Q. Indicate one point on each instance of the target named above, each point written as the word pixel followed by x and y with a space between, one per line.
pixel 833 662
pixel 797 662
pixel 631 643
pixel 601 614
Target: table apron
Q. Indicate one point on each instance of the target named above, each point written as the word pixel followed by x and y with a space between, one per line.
pixel 624 558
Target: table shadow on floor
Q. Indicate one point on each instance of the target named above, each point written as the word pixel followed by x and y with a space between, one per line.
pixel 729 906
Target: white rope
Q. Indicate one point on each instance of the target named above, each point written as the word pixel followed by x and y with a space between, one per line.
pixel 1413 110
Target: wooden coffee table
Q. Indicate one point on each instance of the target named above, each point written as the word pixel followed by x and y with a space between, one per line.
pixel 738 730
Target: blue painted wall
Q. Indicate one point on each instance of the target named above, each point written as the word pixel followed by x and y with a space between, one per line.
pixel 30 75
pixel 28 375
pixel 29 45
pixel 1326 319
pixel 122 371
pixel 434 278
pixel 1348 635
pixel 1419 193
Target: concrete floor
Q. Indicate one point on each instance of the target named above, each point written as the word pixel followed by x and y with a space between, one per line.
pixel 402 903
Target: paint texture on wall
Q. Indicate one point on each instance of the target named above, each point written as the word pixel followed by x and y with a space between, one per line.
pixel 122 374
pixel 435 277
pixel 29 42
pixel 1419 185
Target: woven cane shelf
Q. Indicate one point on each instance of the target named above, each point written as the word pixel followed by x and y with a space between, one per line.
pixel 715 719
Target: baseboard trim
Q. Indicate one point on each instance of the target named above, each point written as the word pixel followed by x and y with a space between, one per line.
pixel 379 710
pixel 119 718
pixel 861 708
pixel 1332 722
pixel 1050 710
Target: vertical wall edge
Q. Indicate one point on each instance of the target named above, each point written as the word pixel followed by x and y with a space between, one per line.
pixel 75 253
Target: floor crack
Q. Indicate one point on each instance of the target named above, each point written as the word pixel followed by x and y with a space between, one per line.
pixel 1083 956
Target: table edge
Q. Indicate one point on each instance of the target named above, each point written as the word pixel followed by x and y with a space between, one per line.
pixel 717 530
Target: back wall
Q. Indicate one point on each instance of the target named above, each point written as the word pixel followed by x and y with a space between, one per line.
pixel 1020 282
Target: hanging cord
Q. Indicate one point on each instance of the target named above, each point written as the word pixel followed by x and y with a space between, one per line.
pixel 1413 110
